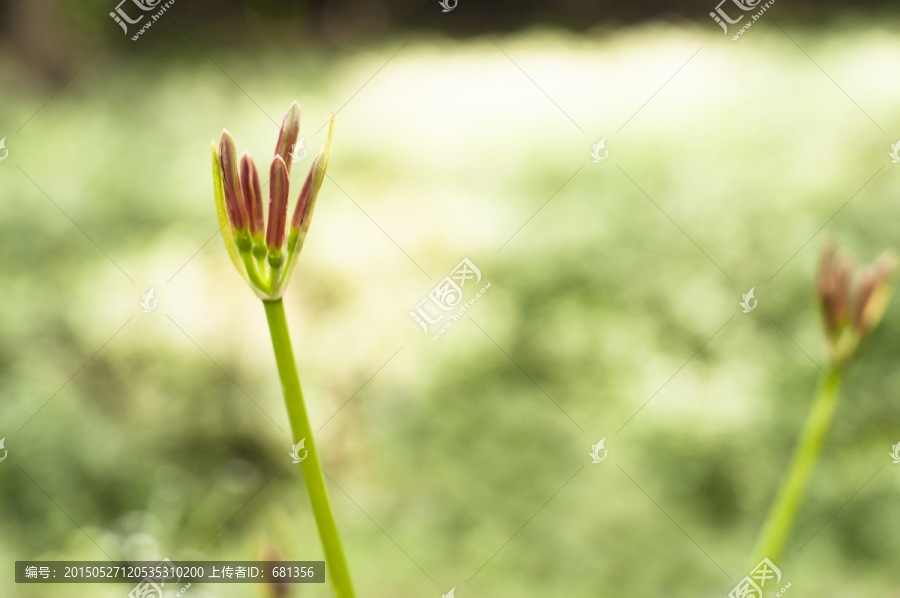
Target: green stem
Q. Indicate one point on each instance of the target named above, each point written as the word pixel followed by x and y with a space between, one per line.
pixel 781 516
pixel 312 471
pixel 252 272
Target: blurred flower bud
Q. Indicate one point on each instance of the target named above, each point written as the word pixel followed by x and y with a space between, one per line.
pixel 833 287
pixel 276 590
pixel 872 291
pixel 851 304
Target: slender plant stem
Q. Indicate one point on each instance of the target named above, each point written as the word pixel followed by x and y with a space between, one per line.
pixel 780 520
pixel 252 272
pixel 312 472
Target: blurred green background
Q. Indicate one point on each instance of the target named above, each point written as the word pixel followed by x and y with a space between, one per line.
pixel 135 435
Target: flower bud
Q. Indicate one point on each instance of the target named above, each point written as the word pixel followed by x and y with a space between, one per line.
pixel 306 201
pixel 852 304
pixel 252 194
pixel 872 292
pixel 276 589
pixel 234 200
pixel 287 137
pixel 301 211
pixel 278 198
pixel 239 209
pixel 833 287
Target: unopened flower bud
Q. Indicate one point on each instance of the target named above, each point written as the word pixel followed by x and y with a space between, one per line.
pixel 234 200
pixel 306 201
pixel 301 211
pixel 276 589
pixel 872 292
pixel 833 288
pixel 239 208
pixel 253 201
pixel 287 137
pixel 278 199
pixel 852 305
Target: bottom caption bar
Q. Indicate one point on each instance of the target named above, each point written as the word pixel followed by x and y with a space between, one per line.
pixel 154 575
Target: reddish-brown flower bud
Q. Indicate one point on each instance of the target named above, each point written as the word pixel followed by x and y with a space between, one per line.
pixel 234 200
pixel 871 293
pixel 287 137
pixel 253 202
pixel 852 303
pixel 278 589
pixel 301 212
pixel 833 288
pixel 262 251
pixel 306 201
pixel 278 199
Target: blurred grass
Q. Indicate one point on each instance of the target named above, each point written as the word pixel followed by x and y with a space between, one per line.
pixel 443 455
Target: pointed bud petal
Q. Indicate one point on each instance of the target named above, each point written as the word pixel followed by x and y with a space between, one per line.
pixel 223 216
pixel 278 199
pixel 307 199
pixel 287 137
pixel 303 199
pixel 833 288
pixel 233 197
pixel 872 293
pixel 253 201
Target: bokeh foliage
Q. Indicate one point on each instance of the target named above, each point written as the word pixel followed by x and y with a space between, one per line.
pixel 440 457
